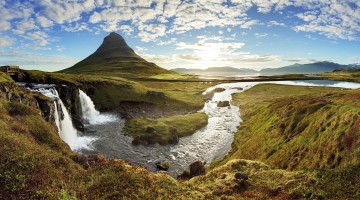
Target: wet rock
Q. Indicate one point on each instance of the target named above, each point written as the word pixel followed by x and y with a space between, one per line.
pixel 223 104
pixel 29 85
pixel 197 168
pixel 162 165
pixel 70 97
pixel 174 133
pixel 155 94
pixel 139 141
pixel 241 176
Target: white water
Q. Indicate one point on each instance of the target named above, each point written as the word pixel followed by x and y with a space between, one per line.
pixel 56 116
pixel 67 131
pixel 63 122
pixel 89 114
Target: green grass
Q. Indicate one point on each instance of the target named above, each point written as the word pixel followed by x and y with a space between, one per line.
pixel 294 127
pixel 343 75
pixel 165 130
pixel 108 92
pixel 297 128
pixel 4 78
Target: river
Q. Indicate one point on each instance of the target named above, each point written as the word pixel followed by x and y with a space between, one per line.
pixel 207 144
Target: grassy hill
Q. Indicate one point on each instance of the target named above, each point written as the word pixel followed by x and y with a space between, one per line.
pixel 115 58
pixel 301 127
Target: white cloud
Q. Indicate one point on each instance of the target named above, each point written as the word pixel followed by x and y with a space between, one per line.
pixel 6 41
pixel 44 22
pixel 39 38
pixel 140 48
pixel 260 35
pixel 275 23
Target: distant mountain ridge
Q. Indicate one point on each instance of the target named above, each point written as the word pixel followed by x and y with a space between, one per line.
pixel 311 68
pixel 115 57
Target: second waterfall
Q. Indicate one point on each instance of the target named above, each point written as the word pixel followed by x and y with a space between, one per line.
pixel 88 112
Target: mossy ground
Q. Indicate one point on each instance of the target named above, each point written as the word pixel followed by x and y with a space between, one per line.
pixel 165 130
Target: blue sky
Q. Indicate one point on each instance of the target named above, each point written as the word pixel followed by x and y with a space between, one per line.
pixel 54 34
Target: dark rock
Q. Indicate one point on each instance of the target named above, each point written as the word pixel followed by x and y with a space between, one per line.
pixel 151 130
pixel 184 176
pixel 15 98
pixel 139 141
pixel 223 104
pixel 241 176
pixel 29 85
pixel 155 94
pixel 70 97
pixel 174 133
pixel 197 168
pixel 162 165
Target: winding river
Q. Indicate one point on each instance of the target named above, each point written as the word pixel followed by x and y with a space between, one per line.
pixel 207 144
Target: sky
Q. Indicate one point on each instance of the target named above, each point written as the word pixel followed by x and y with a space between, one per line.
pixel 51 35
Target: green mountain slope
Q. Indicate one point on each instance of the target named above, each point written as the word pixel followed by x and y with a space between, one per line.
pixel 114 57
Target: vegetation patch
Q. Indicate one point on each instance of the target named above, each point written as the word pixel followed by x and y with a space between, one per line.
pixel 165 130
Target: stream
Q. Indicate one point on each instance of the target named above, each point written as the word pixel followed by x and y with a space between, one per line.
pixel 207 144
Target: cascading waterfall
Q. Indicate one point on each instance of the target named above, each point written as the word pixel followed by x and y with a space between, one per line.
pixel 56 116
pixel 89 114
pixel 66 128
pixel 63 121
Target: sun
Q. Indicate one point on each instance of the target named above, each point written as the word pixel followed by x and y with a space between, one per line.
pixel 209 52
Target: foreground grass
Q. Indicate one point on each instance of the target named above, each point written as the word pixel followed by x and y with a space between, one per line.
pixel 165 130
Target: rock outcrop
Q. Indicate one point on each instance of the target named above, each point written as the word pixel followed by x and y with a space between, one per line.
pixel 70 97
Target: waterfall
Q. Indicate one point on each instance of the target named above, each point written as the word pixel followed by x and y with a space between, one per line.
pixel 89 114
pixel 66 128
pixel 56 116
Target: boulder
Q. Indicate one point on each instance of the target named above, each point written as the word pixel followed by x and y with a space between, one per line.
pixel 162 165
pixel 197 168
pixel 223 104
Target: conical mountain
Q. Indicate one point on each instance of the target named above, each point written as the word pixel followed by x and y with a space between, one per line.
pixel 115 57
